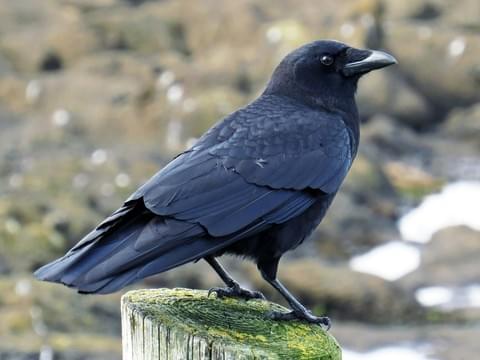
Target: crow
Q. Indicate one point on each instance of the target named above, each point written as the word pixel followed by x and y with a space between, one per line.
pixel 256 184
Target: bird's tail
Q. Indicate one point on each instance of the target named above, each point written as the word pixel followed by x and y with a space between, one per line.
pixel 130 245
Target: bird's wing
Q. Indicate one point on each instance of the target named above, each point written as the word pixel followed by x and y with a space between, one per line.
pixel 196 187
pixel 281 145
pixel 261 160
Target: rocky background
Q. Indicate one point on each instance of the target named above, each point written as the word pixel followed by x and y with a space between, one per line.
pixel 96 95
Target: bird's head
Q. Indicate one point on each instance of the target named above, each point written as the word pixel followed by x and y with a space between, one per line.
pixel 325 72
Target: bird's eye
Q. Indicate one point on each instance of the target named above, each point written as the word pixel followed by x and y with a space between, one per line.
pixel 326 60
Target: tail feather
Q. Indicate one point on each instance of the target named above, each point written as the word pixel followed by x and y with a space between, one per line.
pixel 157 262
pixel 55 270
pixel 109 285
pixel 93 257
pixel 125 250
pixel 131 247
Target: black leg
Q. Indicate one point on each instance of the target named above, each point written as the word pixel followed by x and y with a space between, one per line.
pixel 233 288
pixel 269 273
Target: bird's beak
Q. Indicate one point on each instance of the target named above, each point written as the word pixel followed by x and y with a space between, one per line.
pixel 373 60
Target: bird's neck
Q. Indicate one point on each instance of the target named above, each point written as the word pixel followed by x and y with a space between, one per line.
pixel 321 96
pixel 322 99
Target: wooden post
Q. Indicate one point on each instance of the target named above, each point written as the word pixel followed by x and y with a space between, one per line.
pixel 183 324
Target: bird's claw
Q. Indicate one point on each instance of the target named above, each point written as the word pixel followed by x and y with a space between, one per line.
pixel 236 292
pixel 302 316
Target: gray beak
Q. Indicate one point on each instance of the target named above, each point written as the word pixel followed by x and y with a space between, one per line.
pixel 374 60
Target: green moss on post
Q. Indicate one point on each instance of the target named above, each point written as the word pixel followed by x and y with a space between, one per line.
pixel 186 324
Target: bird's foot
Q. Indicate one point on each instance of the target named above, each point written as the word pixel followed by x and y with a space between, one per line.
pixel 237 292
pixel 302 316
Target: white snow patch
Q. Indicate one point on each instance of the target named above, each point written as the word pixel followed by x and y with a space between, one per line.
pixel 274 34
pixel 390 261
pixel 46 353
pixel 456 47
pixel 165 79
pixel 434 295
pixel 61 117
pixel 175 93
pixel 23 287
pixel 98 157
pixel 33 91
pixel 122 180
pixel 457 204
pixel 12 226
pixel 450 298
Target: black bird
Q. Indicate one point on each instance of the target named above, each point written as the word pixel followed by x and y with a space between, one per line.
pixel 256 184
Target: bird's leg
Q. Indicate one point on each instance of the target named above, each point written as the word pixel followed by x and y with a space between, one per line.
pixel 299 312
pixel 233 288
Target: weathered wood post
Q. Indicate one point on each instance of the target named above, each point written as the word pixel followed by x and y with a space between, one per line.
pixel 183 324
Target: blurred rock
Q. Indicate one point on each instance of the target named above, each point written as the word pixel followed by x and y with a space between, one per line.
pixel 411 180
pixel 91 5
pixel 463 13
pixel 464 124
pixel 13 92
pixel 416 9
pixel 5 66
pixel 4 268
pixel 114 87
pixel 366 177
pixel 29 44
pixel 443 341
pixel 387 92
pixel 36 316
pixel 384 138
pixel 440 155
pixel 436 59
pixel 146 29
pixel 450 258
